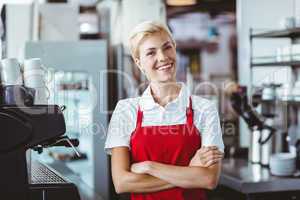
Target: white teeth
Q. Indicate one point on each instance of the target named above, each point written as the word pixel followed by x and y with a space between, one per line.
pixel 164 67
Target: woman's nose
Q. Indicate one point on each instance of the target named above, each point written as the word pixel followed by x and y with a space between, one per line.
pixel 161 56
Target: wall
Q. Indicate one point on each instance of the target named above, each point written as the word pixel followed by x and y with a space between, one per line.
pixel 59 22
pixel 124 15
pixel 18 33
pixel 218 63
pixel 23 26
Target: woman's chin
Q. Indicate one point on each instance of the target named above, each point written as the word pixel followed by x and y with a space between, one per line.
pixel 166 79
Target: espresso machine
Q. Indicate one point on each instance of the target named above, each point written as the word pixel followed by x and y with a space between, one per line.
pixel 29 126
pixel 261 125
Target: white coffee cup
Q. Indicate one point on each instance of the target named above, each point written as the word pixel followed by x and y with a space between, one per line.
pixel 296 51
pixel 33 63
pixel 285 92
pixel 35 78
pixel 42 95
pixel 34 73
pixel 10 72
pixel 286 53
pixel 283 164
pixel 296 91
pixel 279 54
pixel 268 93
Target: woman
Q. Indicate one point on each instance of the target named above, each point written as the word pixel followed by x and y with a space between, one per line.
pixel 165 144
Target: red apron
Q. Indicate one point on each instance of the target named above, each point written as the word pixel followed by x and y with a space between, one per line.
pixel 174 144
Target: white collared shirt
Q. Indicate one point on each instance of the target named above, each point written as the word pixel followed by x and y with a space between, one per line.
pixel 123 120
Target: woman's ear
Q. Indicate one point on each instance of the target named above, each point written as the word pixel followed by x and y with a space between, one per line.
pixel 138 63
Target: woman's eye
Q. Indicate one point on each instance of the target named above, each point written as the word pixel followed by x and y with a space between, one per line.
pixel 168 47
pixel 150 53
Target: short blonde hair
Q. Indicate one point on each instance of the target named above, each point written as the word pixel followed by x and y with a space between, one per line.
pixel 143 30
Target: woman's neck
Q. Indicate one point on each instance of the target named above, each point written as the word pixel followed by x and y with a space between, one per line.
pixel 163 93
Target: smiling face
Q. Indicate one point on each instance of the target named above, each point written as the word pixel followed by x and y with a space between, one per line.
pixel 157 58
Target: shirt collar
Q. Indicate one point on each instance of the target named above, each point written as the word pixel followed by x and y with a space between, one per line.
pixel 147 102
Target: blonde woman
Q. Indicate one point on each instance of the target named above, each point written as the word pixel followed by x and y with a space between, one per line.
pixel 166 144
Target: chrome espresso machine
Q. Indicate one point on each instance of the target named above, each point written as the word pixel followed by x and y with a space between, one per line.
pixel 27 126
pixel 261 125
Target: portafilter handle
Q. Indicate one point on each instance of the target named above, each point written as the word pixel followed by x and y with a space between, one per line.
pixel 64 141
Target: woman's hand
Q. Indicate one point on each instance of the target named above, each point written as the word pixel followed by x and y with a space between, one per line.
pixel 206 157
pixel 141 167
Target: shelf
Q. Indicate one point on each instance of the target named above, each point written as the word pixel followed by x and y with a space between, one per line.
pixel 292 103
pixel 294 64
pixel 196 45
pixel 284 103
pixel 291 33
pixel 289 102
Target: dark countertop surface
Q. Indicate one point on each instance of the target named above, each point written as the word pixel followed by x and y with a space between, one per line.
pixel 85 191
pixel 237 174
pixel 244 177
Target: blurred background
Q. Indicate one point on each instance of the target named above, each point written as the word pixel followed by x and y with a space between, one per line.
pixel 248 45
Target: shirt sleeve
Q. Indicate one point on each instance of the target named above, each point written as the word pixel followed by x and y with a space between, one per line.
pixel 121 125
pixel 210 127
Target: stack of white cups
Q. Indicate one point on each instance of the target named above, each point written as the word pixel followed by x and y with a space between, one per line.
pixel 34 77
pixel 283 164
pixel 10 72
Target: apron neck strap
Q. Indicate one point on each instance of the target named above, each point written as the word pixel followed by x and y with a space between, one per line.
pixel 139 117
pixel 189 113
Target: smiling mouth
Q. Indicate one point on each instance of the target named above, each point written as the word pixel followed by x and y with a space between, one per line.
pixel 165 67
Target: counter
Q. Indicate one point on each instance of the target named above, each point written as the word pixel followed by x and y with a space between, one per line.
pixel 252 179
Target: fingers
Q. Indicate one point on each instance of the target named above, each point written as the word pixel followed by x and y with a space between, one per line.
pixel 206 149
pixel 210 152
pixel 136 168
pixel 133 167
pixel 210 155
pixel 207 156
pixel 211 147
pixel 212 162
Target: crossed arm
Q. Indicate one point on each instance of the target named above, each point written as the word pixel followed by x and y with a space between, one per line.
pixel 149 176
pixel 127 181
